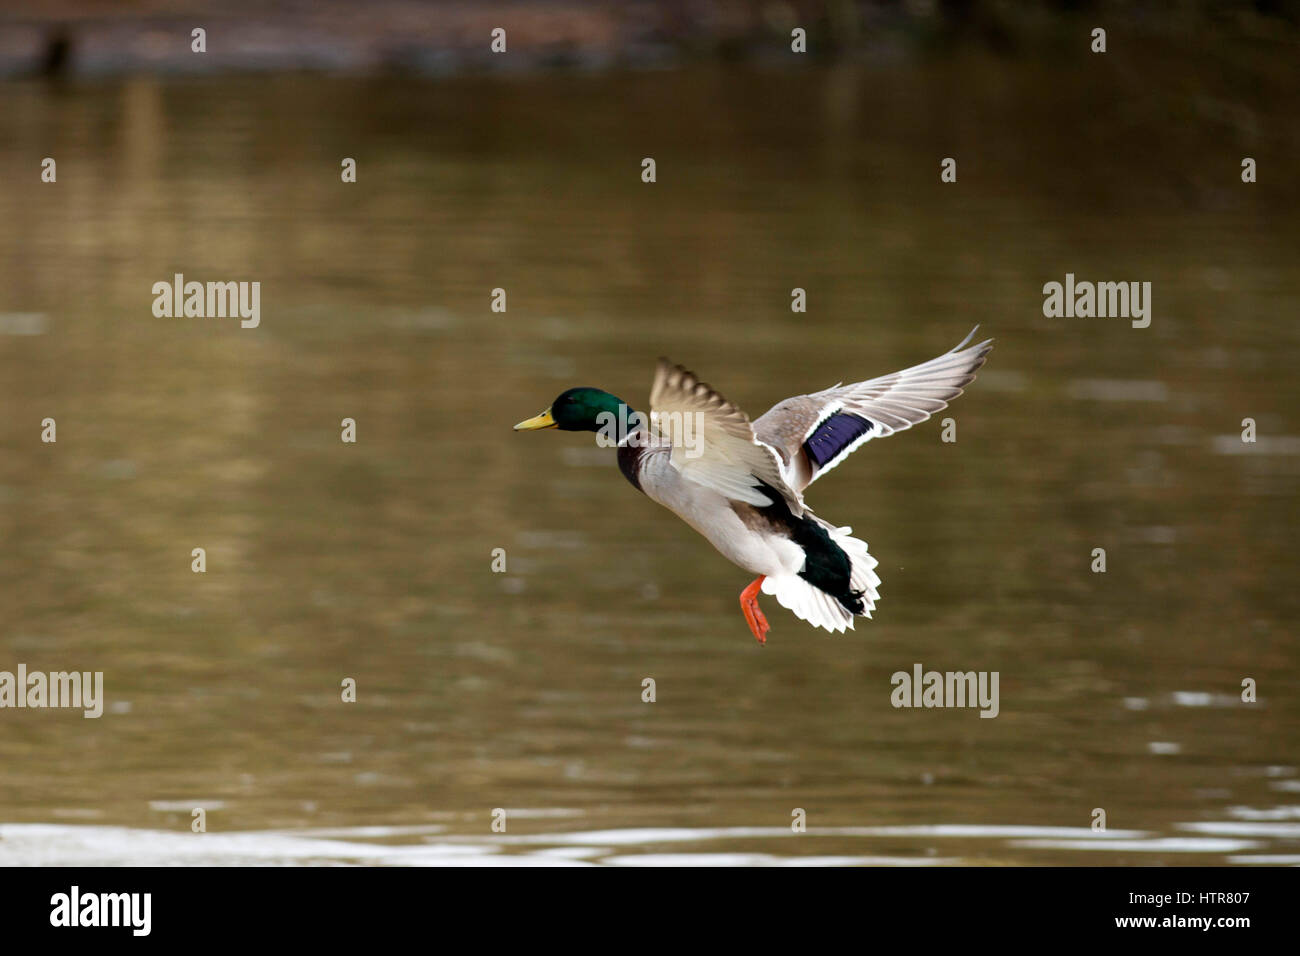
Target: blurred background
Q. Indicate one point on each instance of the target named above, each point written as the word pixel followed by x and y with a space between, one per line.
pixel 522 690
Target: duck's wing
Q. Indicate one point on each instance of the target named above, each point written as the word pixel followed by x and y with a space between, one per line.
pixel 814 433
pixel 713 441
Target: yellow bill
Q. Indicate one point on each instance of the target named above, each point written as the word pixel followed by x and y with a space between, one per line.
pixel 544 420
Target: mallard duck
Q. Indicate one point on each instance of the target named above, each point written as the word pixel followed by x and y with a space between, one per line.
pixel 740 483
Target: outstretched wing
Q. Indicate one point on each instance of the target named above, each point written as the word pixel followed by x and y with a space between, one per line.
pixel 814 433
pixel 713 442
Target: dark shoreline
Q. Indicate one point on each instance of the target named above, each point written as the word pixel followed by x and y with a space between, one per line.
pixel 76 38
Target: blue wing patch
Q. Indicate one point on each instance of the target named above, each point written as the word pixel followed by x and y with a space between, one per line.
pixel 832 436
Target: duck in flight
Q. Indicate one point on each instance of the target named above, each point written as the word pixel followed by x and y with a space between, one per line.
pixel 740 483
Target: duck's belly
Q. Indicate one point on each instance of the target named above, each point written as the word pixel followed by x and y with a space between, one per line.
pixel 712 515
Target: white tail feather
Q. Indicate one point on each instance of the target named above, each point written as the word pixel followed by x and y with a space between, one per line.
pixel 809 603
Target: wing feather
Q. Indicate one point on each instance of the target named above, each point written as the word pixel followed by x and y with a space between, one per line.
pixel 713 441
pixel 888 404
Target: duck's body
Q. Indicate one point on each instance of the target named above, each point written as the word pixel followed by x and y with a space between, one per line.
pixel 740 483
pixel 803 561
pixel 740 531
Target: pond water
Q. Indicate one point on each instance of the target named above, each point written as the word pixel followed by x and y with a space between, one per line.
pixel 522 690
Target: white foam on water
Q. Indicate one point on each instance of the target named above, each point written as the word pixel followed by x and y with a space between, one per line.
pixel 1198 698
pixel 640 837
pixel 575 852
pixel 995 831
pixel 1157 845
pixel 377 832
pixel 41 844
pixel 1286 831
pixel 1272 813
pixel 766 859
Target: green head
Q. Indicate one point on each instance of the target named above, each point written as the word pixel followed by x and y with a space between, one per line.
pixel 585 410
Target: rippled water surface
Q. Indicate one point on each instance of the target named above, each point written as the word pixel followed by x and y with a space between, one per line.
pixel 522 690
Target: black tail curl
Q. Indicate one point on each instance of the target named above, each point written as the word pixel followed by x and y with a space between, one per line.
pixel 826 566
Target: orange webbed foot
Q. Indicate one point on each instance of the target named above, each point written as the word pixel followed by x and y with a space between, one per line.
pixel 758 625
